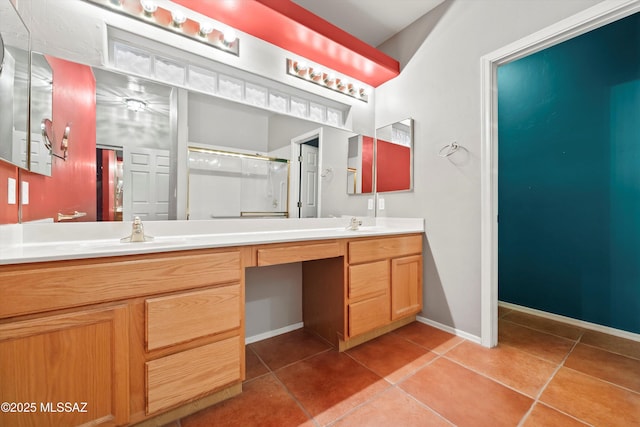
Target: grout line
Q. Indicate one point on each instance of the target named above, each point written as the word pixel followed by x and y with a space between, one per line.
pixel 366 402
pixel 604 381
pixel 495 380
pixel 424 405
pixel 545 332
pixel 536 399
pixel 300 405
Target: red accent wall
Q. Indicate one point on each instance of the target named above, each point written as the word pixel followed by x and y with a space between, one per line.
pixel 72 184
pixel 8 213
pixel 303 33
pixel 393 171
pixel 367 164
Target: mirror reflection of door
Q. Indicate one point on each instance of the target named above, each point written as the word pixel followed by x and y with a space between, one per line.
pixel 109 183
pixel 146 183
pixel 308 194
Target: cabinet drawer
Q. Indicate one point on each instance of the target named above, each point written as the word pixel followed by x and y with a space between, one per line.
pixel 297 253
pixel 369 314
pixel 183 376
pixel 368 279
pixel 390 247
pixel 183 317
pixel 32 288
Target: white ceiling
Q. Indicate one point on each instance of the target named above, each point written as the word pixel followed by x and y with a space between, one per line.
pixel 372 21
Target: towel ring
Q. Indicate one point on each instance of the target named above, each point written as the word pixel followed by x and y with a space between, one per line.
pixel 448 149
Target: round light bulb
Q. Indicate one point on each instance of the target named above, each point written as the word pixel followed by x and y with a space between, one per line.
pixel 178 17
pixel 148 6
pixel 229 36
pixel 205 28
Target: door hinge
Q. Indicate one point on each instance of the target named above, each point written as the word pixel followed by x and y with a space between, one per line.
pixel 299 204
pixel 300 159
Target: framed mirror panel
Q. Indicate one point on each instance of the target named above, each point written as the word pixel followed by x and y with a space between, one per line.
pixel 394 157
pixel 14 87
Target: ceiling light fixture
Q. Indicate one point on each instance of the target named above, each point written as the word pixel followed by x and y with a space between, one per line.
pixel 205 29
pixel 174 19
pixel 148 7
pixel 228 37
pixel 329 80
pixel 178 18
pixel 136 105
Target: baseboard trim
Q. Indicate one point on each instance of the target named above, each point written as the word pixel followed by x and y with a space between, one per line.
pixel 571 321
pixel 454 331
pixel 274 333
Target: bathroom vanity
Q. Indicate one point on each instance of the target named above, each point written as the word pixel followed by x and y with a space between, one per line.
pixel 147 333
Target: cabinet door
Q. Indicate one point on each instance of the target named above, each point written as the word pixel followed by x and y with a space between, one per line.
pixel 406 286
pixel 68 369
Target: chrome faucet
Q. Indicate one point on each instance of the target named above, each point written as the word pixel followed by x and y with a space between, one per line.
pixel 137 232
pixel 354 224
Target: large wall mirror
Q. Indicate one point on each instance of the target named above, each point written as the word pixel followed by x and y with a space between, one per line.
pixel 14 87
pixel 155 102
pixel 146 169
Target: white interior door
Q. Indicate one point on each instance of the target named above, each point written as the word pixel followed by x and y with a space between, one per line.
pixel 146 184
pixel 308 201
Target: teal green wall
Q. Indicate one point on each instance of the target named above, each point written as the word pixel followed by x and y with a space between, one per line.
pixel 569 178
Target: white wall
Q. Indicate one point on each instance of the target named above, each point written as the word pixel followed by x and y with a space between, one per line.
pixel 222 123
pixel 440 88
pixel 273 296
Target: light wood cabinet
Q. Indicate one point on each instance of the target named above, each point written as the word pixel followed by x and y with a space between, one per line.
pixel 375 288
pixel 406 286
pixel 131 336
pixel 384 283
pixel 151 338
pixel 70 368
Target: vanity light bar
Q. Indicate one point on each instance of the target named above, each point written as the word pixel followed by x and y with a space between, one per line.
pixel 175 21
pixel 325 78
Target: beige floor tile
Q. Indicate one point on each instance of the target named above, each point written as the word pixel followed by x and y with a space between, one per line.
pixel 547 346
pixel 612 343
pixel 592 400
pixel 465 397
pixel 612 367
pixel 517 369
pixel 544 416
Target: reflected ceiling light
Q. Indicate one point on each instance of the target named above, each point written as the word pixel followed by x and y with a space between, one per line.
pixel 315 74
pixel 205 29
pixel 228 36
pixel 329 79
pixel 301 68
pixel 210 33
pixel 149 7
pixel 136 105
pixel 178 18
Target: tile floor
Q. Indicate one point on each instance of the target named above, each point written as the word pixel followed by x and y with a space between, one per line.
pixel 543 373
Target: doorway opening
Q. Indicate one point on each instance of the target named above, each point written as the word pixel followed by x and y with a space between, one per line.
pixel 306 163
pixel 583 22
pixel 109 183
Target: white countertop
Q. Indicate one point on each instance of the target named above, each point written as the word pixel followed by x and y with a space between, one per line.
pixel 37 242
